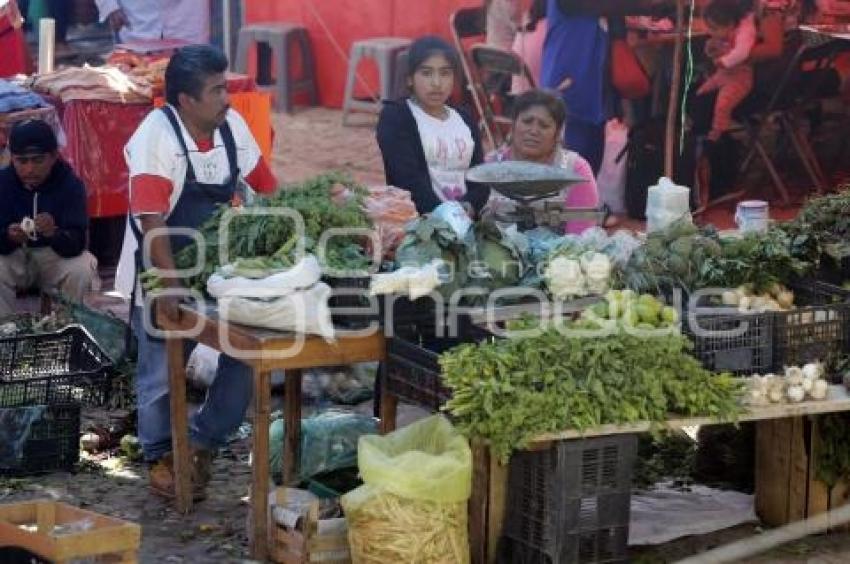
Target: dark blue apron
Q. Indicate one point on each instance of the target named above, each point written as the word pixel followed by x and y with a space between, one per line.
pixel 198 200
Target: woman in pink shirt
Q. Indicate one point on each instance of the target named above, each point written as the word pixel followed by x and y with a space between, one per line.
pixel 538 128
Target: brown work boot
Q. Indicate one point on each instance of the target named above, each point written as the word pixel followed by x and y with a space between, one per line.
pixel 163 481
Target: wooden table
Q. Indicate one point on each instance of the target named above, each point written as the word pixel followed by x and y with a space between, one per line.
pixel 489 477
pixel 268 351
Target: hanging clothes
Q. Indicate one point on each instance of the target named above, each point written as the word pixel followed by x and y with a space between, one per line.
pixel 576 49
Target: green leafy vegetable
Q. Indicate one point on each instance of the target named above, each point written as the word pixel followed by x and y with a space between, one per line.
pixel 510 390
pixel 273 238
pixel 670 258
pixel 759 259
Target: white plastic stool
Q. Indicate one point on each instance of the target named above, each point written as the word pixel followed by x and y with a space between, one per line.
pixel 276 39
pixel 384 51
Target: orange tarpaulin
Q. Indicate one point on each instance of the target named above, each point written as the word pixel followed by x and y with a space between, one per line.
pixel 334 25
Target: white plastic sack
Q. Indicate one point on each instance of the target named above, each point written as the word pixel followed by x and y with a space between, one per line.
pixel 611 180
pixel 203 365
pixel 304 274
pixel 301 311
pixel 667 203
pixel 413 282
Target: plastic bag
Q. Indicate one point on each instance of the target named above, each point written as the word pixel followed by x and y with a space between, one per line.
pixel 667 203
pixel 411 281
pixel 303 311
pixel 412 507
pixel 15 426
pixel 349 385
pixel 390 209
pixel 454 214
pixel 611 180
pixel 328 442
pixel 202 366
pixel 303 274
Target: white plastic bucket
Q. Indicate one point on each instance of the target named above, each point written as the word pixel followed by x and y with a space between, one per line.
pixel 752 216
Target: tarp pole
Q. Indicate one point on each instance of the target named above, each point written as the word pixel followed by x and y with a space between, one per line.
pixel 226 28
pixel 670 144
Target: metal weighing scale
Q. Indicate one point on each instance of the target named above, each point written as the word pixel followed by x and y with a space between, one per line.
pixel 526 184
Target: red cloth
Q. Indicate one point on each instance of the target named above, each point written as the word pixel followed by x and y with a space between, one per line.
pixel 97 133
pixel 15 57
pixel 336 24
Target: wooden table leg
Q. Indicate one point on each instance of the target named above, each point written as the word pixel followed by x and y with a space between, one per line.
pixel 388 404
pixel 292 417
pixel 389 413
pixel 179 424
pixel 260 465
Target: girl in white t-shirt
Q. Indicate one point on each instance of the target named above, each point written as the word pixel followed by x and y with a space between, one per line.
pixel 427 146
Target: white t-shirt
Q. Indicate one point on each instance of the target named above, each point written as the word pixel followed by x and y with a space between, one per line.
pixel 187 20
pixel 154 152
pixel 448 148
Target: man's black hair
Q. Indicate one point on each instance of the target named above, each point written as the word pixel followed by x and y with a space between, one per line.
pixel 188 70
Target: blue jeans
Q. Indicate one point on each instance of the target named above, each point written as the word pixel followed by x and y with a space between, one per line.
pixel 220 415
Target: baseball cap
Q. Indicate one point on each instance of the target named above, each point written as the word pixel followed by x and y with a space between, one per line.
pixel 32 136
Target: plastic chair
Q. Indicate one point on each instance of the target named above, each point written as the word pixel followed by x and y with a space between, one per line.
pixel 384 51
pixel 496 68
pixel 471 24
pixel 274 39
pixel 798 88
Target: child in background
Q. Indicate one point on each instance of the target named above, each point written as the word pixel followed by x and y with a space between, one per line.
pixel 731 24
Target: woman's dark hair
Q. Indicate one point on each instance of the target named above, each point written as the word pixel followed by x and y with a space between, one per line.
pixel 426 47
pixel 189 68
pixel 726 12
pixel 536 13
pixel 552 103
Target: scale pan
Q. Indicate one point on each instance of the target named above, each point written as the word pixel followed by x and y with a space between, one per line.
pixel 523 179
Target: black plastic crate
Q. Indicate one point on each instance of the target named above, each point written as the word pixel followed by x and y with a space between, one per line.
pixel 351 293
pixel 412 369
pixel 53 442
pixel 48 368
pixel 570 503
pixel 399 314
pixel 818 329
pixel 834 270
pixel 604 545
pixel 413 372
pixel 741 343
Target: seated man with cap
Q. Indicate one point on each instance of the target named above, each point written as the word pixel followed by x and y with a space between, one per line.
pixel 43 220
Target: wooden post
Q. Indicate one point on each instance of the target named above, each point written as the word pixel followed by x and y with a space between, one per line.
pixel 260 465
pixel 496 506
pixel 179 424
pixel 670 143
pixel 292 417
pixel 478 503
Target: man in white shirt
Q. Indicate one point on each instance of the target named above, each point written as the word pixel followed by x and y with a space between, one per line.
pixel 134 20
pixel 185 159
